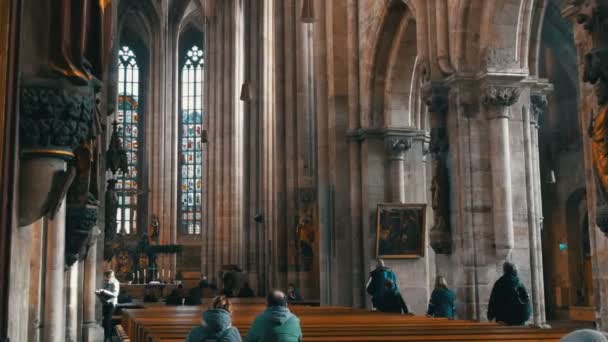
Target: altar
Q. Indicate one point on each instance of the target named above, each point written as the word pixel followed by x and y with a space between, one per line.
pixel 155 289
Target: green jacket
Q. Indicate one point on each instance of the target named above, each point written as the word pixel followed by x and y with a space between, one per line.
pixel 442 303
pixel 217 328
pixel 509 301
pixel 276 324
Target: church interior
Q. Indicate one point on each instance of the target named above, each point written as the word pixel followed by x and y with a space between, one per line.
pixel 241 146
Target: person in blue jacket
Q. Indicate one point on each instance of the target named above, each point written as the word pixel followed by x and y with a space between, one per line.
pixel 442 300
pixel 377 278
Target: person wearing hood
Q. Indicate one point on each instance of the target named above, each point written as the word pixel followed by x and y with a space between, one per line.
pixel 377 278
pixel 216 325
pixel 276 323
pixel 509 300
pixel 442 300
pixel 585 335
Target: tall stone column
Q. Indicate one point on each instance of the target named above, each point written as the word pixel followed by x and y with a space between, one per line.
pixel 538 106
pixel 91 330
pixel 397 147
pixel 71 296
pixel 497 99
pixel 53 329
pixel 36 276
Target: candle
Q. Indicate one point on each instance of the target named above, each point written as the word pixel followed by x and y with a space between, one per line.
pixel 138 275
pixel 169 275
pixel 133 276
pixel 144 275
pixel 163 273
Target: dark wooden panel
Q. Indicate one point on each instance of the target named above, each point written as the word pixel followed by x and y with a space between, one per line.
pixel 9 31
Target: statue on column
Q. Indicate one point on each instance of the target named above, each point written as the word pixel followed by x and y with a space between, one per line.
pixel 594 18
pixel 111 209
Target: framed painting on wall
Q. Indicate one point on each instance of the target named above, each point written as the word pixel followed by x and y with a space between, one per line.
pixel 400 231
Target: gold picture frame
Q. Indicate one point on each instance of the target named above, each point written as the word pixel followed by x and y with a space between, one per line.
pixel 400 231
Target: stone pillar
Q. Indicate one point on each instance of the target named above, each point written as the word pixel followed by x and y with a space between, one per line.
pixel 497 100
pixel 396 147
pixel 53 329
pixel 71 296
pixel 538 106
pixel 36 276
pixel 91 330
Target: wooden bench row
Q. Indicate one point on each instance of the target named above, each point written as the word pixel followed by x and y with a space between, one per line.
pixel 169 324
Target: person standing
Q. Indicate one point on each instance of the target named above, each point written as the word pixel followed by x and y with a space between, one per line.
pixel 442 300
pixel 277 323
pixel 377 278
pixel 509 300
pixel 109 298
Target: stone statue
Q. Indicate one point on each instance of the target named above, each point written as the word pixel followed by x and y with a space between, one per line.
pixel 116 156
pixel 155 228
pixel 111 209
pixel 440 233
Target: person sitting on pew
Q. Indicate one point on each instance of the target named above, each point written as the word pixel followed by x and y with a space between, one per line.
pixel 216 325
pixel 208 289
pixel 391 300
pixel 176 296
pixel 509 300
pixel 277 323
pixel 293 293
pixel 246 291
pixel 585 335
pixel 194 296
pixel 442 300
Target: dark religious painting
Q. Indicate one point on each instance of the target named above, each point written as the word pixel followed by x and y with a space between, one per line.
pixel 191 143
pixel 128 129
pixel 400 230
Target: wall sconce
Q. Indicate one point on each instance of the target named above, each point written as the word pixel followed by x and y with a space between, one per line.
pixel 308 12
pixel 246 92
pixel 551 177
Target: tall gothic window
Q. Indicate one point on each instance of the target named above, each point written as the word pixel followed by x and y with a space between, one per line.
pixel 127 117
pixel 191 142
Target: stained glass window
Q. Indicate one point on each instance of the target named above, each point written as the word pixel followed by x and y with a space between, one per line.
pixel 127 117
pixel 191 142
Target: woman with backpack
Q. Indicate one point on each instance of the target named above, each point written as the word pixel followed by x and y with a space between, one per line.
pixel 509 301
pixel 442 300
pixel 216 325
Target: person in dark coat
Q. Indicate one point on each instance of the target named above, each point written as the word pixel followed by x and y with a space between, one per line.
pixel 442 300
pixel 377 278
pixel 194 296
pixel 509 300
pixel 246 291
pixel 216 325
pixel 391 300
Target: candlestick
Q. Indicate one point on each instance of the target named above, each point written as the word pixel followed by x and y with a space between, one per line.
pixel 169 275
pixel 145 276
pixel 138 276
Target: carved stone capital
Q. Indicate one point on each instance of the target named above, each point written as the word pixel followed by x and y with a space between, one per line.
pixel 538 104
pixel 55 115
pixel 79 231
pixel 397 146
pixel 500 96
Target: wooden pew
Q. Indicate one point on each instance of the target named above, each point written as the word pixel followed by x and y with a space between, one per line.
pixel 167 324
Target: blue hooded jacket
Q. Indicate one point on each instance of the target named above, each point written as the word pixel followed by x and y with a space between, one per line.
pixel 276 324
pixel 217 327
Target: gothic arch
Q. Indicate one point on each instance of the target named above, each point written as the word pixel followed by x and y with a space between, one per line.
pixel 393 68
